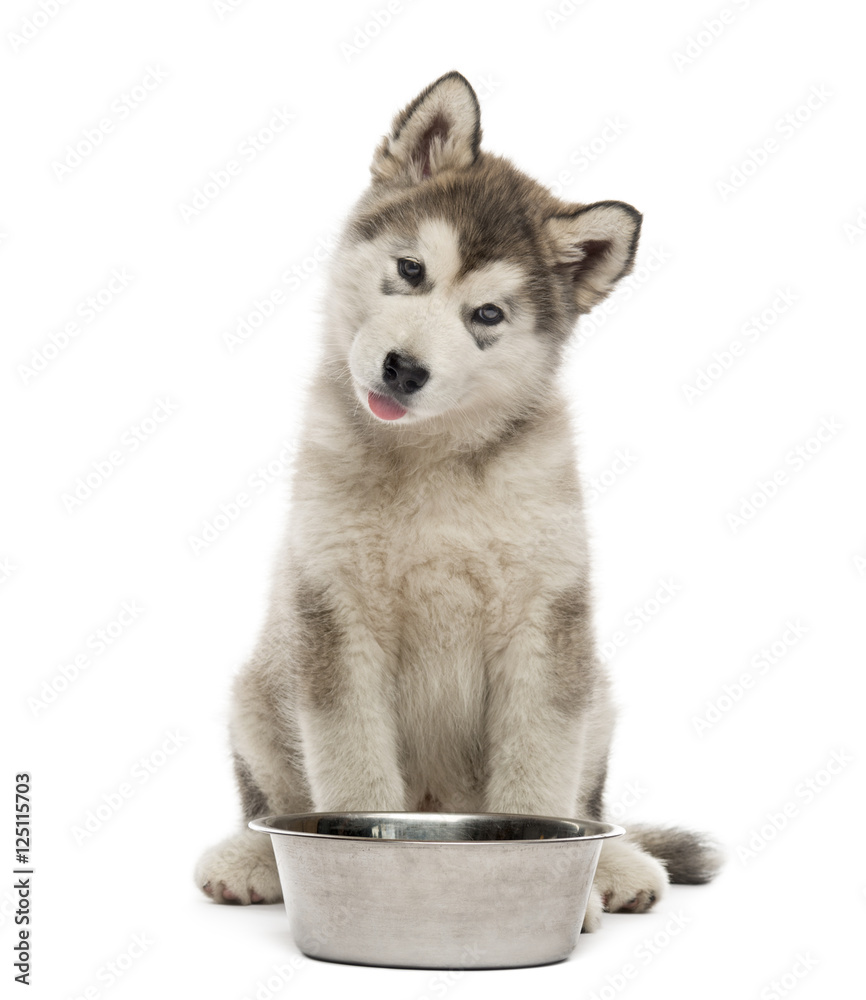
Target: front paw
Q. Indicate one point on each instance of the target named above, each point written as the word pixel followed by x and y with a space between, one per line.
pixel 241 870
pixel 628 879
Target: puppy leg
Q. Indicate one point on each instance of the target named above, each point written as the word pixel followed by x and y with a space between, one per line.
pixel 346 717
pixel 547 693
pixel 241 869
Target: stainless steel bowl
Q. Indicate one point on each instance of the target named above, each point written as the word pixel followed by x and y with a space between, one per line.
pixel 436 890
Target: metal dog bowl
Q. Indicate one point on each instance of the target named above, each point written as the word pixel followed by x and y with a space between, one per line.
pixel 436 890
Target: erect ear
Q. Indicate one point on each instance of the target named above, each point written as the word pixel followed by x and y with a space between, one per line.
pixel 594 246
pixel 439 130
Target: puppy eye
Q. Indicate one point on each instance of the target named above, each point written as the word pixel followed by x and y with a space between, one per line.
pixel 410 269
pixel 489 315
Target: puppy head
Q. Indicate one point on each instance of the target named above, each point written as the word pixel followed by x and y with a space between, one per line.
pixel 459 278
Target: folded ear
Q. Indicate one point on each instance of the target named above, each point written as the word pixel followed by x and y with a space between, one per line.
pixel 439 130
pixel 594 246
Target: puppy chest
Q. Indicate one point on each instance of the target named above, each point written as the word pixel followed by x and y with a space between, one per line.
pixel 435 555
pixel 444 560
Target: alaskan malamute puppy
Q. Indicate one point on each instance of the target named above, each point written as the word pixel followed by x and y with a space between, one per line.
pixel 429 644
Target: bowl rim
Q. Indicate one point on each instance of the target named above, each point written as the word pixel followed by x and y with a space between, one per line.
pixel 601 830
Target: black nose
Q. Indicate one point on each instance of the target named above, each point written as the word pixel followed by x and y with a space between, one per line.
pixel 403 373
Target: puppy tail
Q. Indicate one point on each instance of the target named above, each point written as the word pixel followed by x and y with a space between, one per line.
pixel 690 858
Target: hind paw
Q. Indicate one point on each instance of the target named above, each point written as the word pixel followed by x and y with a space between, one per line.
pixel 240 870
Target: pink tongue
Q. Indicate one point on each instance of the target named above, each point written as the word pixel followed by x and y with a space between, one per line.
pixel 385 408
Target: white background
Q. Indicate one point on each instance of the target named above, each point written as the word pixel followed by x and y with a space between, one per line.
pixel 688 115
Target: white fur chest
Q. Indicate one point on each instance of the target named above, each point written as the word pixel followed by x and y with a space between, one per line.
pixel 443 545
